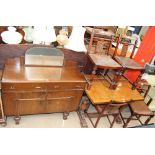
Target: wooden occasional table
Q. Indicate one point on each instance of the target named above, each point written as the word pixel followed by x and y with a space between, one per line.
pixel 100 94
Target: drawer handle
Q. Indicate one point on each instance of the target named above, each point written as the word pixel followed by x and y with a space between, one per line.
pixel 37 87
pixel 78 86
pixel 12 87
pixel 56 86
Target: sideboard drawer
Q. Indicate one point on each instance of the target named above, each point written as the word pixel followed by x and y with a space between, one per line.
pixel 23 86
pixel 64 86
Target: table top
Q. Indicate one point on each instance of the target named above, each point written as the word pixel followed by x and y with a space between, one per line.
pixel 16 72
pixel 100 93
pixel 104 61
pixel 128 63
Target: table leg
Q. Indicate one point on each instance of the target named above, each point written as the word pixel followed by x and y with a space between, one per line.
pixel 93 73
pixel 137 80
pixel 116 79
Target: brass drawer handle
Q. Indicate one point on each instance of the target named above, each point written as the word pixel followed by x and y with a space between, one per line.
pixel 12 87
pixel 56 86
pixel 77 86
pixel 38 87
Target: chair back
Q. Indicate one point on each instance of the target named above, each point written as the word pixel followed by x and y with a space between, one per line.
pixel 143 87
pixel 107 28
pixel 124 47
pixel 98 44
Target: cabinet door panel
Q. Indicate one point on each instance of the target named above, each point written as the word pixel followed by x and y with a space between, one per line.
pixel 23 103
pixel 8 104
pixel 30 106
pixel 63 101
pixel 62 104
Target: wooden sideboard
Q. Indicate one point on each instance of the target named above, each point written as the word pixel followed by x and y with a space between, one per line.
pixel 36 90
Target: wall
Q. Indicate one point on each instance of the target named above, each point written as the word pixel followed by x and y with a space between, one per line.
pixel 143 30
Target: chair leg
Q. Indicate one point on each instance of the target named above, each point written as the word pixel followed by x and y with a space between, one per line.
pixel 115 117
pixel 138 118
pixel 107 70
pixel 100 115
pixel 122 118
pixel 108 119
pixel 127 122
pixel 90 119
pixel 147 121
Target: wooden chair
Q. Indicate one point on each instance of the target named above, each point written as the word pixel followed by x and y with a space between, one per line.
pixel 140 108
pixel 105 110
pixel 99 44
pixel 98 54
pixel 123 57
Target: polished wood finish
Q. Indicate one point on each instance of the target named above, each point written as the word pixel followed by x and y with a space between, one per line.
pixel 104 61
pixel 99 93
pixel 35 90
pixel 110 102
pixel 128 63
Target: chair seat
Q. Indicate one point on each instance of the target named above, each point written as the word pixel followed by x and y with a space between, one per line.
pixel 140 108
pixel 108 110
pixel 104 61
pixel 128 63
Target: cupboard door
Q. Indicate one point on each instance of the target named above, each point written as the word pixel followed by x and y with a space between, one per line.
pixel 24 103
pixel 30 106
pixel 8 103
pixel 59 104
pixel 63 101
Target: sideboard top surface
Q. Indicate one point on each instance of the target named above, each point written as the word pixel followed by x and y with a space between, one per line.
pixel 16 72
